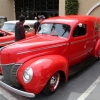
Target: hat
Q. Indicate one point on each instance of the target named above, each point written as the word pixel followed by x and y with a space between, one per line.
pixel 42 17
pixel 21 18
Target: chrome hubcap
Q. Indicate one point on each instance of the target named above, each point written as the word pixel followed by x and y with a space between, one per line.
pixel 54 82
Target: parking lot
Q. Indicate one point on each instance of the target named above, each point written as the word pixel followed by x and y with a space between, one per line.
pixel 85 85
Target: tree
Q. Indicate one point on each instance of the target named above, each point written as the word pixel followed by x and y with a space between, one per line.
pixel 71 7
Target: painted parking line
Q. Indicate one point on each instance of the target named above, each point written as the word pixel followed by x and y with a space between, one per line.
pixel 7 95
pixel 89 90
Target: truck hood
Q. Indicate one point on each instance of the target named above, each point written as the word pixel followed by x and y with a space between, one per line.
pixel 38 45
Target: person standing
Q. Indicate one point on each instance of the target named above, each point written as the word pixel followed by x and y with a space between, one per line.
pixel 19 29
pixel 36 24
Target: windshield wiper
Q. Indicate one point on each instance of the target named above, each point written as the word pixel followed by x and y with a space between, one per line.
pixel 49 34
pixel 54 35
pixel 45 33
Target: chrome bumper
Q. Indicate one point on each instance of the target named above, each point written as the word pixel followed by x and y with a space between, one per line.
pixel 19 92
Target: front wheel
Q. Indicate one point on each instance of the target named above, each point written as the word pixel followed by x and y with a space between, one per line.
pixel 52 84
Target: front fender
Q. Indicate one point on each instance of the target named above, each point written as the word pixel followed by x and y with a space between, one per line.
pixel 43 67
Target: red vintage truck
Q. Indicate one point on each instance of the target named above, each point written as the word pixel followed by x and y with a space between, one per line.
pixel 62 46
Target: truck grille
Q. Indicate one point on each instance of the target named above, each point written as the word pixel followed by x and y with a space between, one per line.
pixel 9 74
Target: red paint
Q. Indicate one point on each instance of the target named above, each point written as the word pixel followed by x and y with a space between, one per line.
pixel 47 54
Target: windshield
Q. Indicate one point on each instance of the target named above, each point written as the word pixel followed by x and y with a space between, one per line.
pixel 54 29
pixel 8 27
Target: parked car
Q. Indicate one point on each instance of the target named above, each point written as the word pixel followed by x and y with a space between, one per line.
pixel 7 32
pixel 61 47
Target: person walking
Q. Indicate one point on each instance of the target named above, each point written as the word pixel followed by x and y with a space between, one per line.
pixel 19 29
pixel 36 24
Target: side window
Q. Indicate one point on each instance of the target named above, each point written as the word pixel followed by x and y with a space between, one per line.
pixel 80 30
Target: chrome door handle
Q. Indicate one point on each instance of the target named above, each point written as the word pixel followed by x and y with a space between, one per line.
pixel 86 44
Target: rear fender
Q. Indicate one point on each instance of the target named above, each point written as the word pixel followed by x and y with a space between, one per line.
pixel 97 48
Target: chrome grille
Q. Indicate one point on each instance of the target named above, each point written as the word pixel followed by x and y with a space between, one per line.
pixel 6 70
pixel 9 74
pixel 13 75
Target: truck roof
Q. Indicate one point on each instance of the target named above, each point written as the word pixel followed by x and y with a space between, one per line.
pixel 70 18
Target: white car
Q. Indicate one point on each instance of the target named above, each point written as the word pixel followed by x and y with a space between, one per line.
pixel 9 26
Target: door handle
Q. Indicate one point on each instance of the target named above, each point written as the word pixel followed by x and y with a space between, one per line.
pixel 86 44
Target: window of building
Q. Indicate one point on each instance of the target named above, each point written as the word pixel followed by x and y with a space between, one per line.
pixel 33 8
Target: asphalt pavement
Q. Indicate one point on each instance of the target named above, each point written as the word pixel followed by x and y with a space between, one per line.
pixel 84 85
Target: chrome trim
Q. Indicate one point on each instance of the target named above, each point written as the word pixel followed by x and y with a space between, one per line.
pixel 13 74
pixel 19 64
pixel 11 64
pixel 6 64
pixel 7 42
pixel 16 91
pixel 79 56
pixel 43 48
pixel 75 42
pixel 1 48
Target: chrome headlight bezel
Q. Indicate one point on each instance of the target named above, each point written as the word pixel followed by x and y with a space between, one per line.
pixel 28 74
pixel 1 48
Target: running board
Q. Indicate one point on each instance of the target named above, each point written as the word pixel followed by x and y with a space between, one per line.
pixel 74 69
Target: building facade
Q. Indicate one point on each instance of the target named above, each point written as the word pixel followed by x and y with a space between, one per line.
pixel 33 8
pixel 12 9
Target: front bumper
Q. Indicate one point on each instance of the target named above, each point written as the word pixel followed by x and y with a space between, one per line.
pixel 19 92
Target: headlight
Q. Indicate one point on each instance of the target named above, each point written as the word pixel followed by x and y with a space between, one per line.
pixel 27 75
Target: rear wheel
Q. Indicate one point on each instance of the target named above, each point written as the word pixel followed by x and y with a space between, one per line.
pixel 98 55
pixel 52 84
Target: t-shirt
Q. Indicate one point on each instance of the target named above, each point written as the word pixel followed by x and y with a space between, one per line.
pixel 36 25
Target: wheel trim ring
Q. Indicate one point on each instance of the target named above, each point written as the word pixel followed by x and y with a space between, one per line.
pixel 54 87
